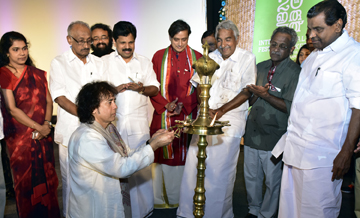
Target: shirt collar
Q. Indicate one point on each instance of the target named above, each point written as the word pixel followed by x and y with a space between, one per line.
pixel 282 63
pixel 338 44
pixel 72 56
pixel 234 57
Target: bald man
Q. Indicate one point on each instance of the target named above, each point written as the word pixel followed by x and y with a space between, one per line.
pixel 68 73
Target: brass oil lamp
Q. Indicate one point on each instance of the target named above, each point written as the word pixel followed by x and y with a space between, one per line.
pixel 202 125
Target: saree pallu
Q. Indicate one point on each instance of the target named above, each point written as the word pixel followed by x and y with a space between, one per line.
pixel 31 161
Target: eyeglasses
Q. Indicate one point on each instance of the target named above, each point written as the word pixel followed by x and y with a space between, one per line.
pixel 82 42
pixel 281 46
pixel 103 38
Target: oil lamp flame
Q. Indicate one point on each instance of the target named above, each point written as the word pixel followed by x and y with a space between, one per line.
pixel 213 121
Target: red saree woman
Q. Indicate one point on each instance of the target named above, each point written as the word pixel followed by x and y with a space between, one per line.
pixel 27 130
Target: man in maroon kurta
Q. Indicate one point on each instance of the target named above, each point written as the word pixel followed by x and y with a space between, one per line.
pixel 176 101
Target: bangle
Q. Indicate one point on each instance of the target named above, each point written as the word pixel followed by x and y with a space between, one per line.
pixel 49 122
pixel 33 126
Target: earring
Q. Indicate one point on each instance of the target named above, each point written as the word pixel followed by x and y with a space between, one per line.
pixel 7 55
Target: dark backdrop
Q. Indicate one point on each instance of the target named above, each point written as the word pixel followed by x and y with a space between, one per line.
pixel 212 13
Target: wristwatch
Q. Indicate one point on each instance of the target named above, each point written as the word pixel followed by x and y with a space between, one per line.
pixel 142 91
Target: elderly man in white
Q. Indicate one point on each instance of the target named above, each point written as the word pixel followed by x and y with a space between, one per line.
pixel 98 157
pixel 68 73
pixel 229 100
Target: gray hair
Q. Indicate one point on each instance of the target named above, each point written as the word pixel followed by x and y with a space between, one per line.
pixel 287 30
pixel 72 24
pixel 228 25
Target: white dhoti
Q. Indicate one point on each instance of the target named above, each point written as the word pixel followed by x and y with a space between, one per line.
pixel 309 193
pixel 166 185
pixel 222 157
pixel 64 169
pixel 140 183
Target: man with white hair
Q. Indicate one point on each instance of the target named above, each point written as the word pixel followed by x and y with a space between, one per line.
pixel 68 73
pixel 271 102
pixel 228 99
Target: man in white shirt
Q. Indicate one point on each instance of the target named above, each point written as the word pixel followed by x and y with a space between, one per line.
pixel 98 157
pixel 135 79
pixel 324 119
pixel 68 73
pixel 228 98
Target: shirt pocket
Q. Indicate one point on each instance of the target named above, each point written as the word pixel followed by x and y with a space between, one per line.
pixel 326 83
pixel 276 90
pixel 232 81
pixel 137 77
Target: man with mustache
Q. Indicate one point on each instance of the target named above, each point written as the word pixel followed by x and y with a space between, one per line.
pixel 101 35
pixel 271 101
pixel 68 73
pixel 135 79
pixel 176 101
pixel 323 127
pixel 228 98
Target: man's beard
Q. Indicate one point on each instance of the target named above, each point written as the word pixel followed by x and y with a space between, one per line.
pixel 101 51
